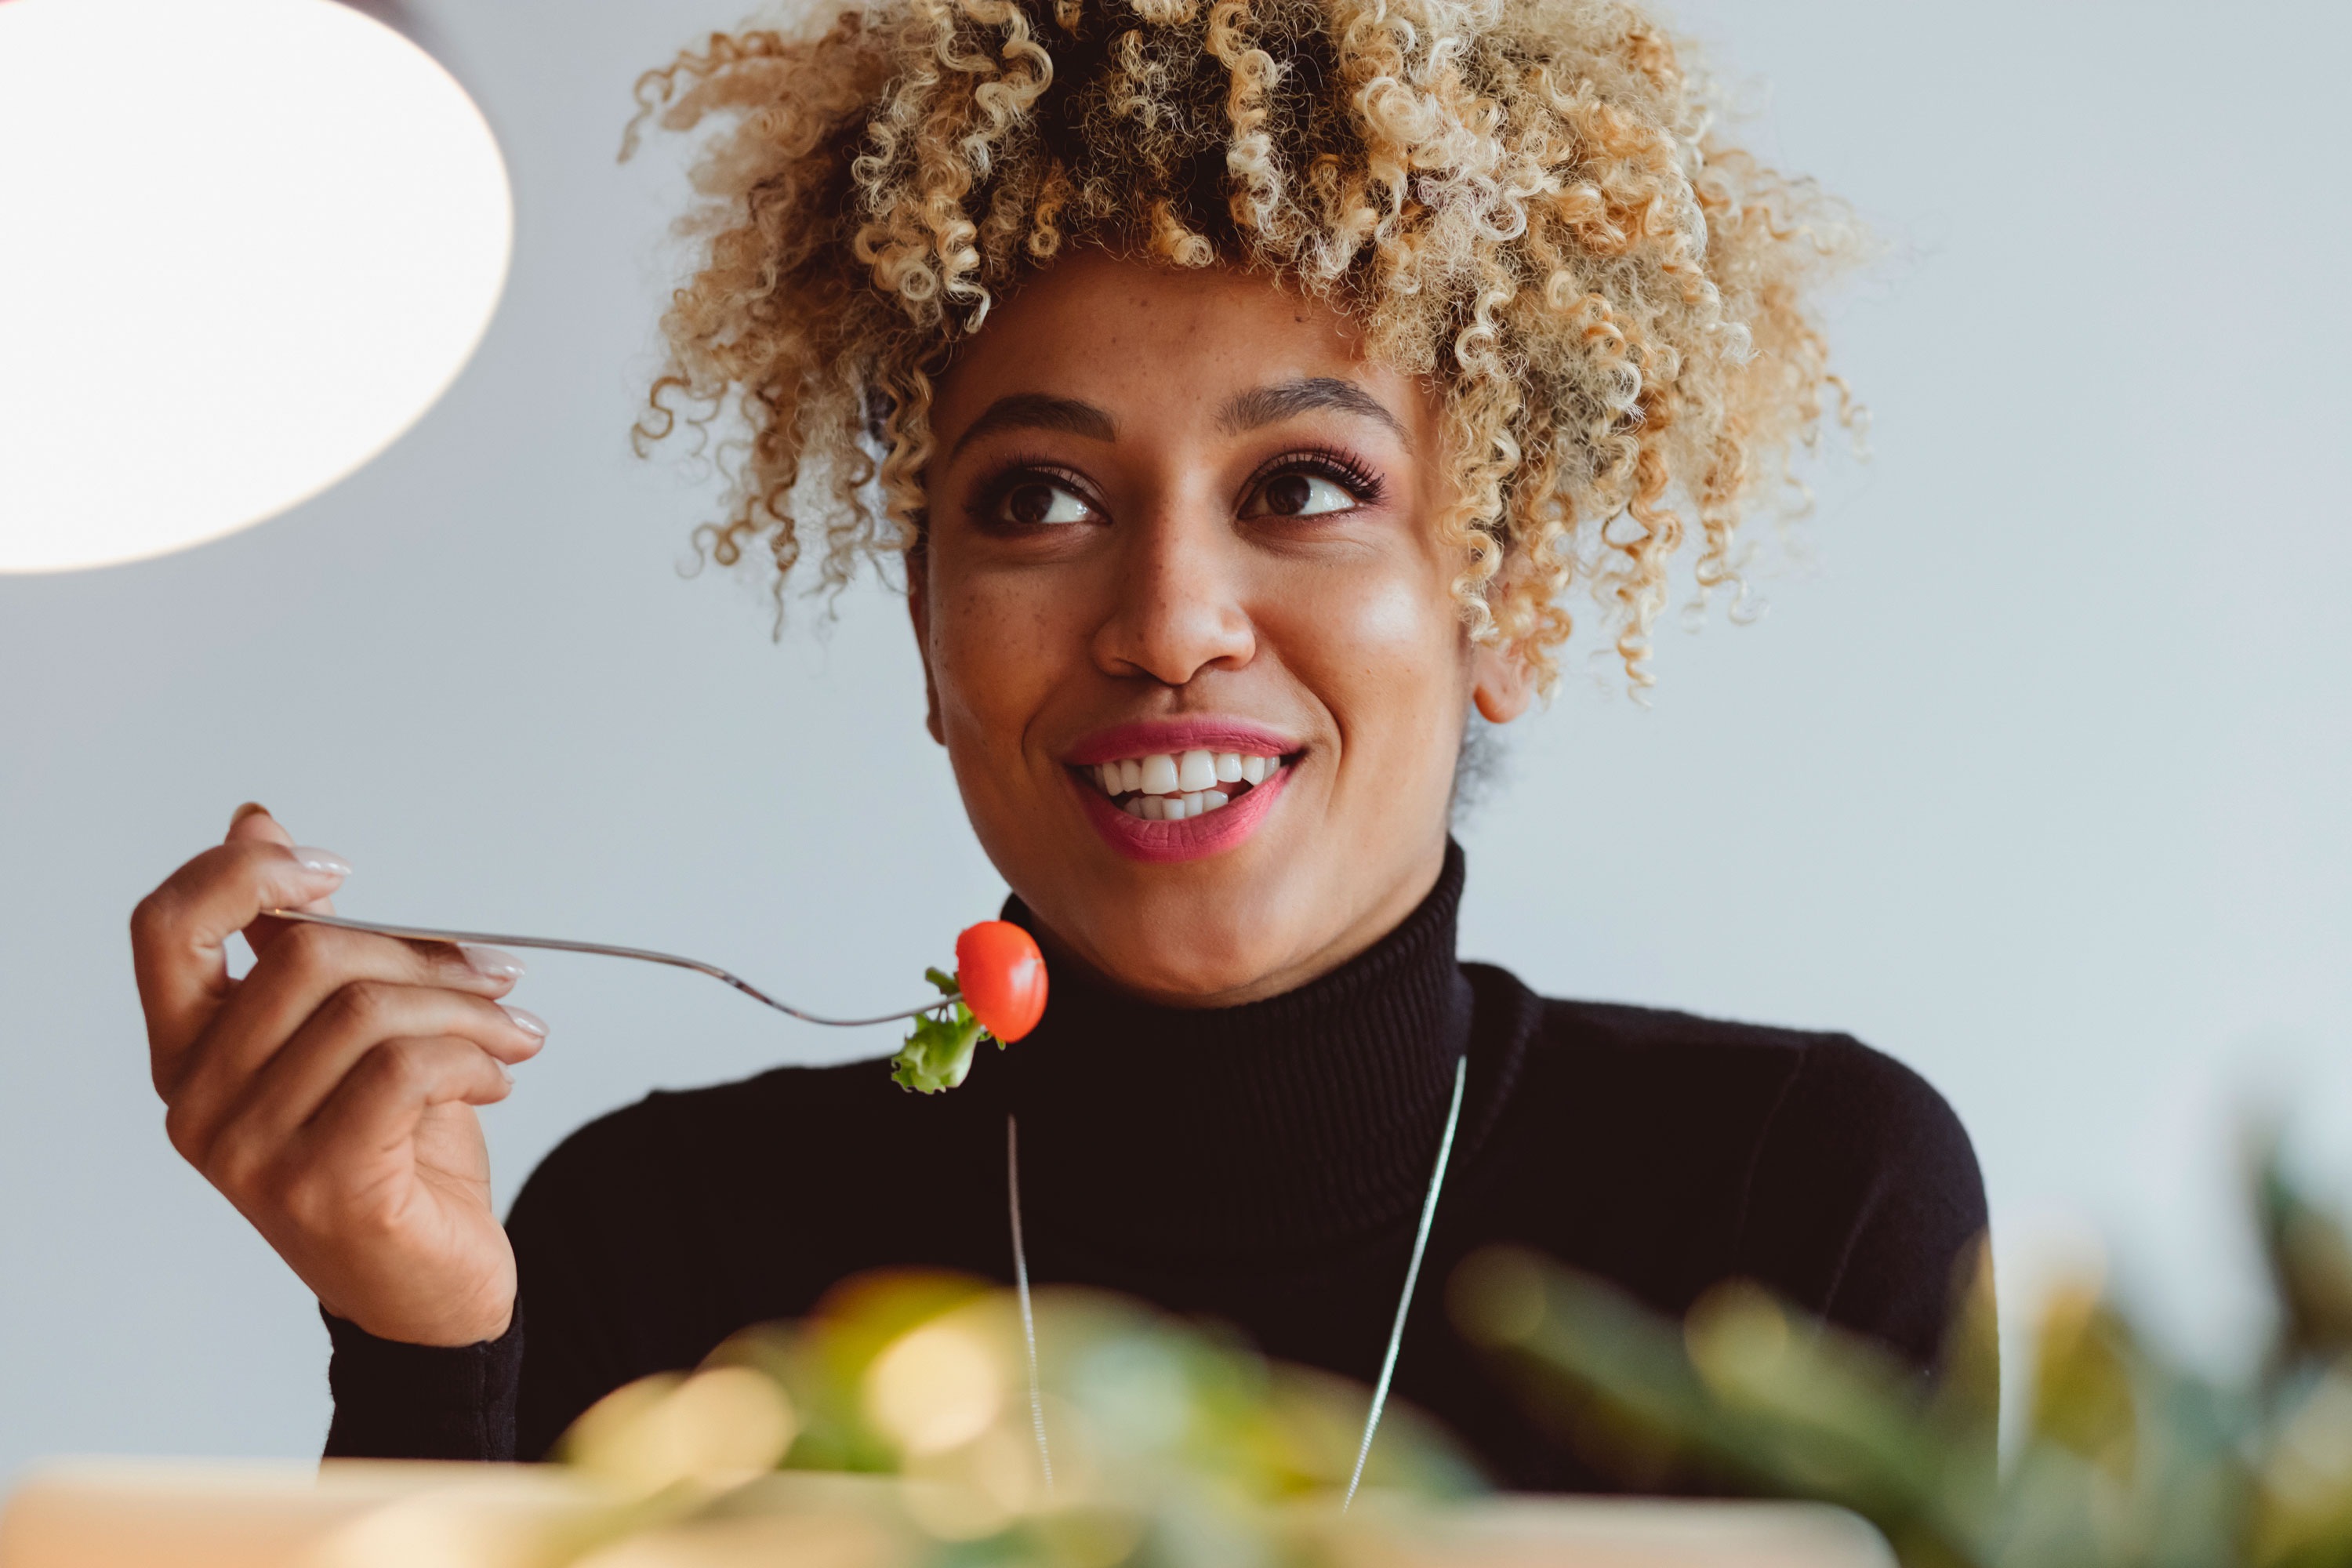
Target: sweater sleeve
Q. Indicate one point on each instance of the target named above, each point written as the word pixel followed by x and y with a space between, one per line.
pixel 395 1401
pixel 1864 1199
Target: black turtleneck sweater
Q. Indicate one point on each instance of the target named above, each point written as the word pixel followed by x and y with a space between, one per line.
pixel 1265 1165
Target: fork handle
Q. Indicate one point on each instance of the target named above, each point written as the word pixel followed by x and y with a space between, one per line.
pixel 601 949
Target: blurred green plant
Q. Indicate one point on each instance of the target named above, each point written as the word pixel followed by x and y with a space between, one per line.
pixel 2126 1459
pixel 1142 1440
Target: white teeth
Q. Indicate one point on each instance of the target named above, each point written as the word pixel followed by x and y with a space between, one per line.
pixel 1177 788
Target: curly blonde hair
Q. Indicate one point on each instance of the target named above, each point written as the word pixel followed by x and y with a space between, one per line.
pixel 1520 201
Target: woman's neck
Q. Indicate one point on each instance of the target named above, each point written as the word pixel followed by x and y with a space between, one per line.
pixel 1294 1120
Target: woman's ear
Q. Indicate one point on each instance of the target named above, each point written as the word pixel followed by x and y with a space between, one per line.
pixel 1501 682
pixel 918 608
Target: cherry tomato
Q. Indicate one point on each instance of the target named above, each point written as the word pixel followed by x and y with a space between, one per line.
pixel 1003 977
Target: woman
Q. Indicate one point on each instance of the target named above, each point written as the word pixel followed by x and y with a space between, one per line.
pixel 1243 387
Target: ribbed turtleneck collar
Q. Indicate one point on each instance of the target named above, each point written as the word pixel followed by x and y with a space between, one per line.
pixel 1306 1119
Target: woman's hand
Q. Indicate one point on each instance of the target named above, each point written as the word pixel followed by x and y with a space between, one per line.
pixel 329 1093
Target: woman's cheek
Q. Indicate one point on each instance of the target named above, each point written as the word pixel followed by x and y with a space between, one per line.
pixel 1380 647
pixel 998 653
pixel 1373 627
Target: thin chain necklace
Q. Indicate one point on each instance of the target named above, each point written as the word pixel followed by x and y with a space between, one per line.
pixel 1396 1333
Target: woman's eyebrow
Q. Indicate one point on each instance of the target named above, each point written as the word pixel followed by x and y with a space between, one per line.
pixel 1285 399
pixel 1037 411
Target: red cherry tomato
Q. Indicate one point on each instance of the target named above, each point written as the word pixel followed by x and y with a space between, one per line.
pixel 1003 977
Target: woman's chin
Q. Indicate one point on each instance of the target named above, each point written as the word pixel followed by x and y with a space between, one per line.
pixel 1178 921
pixel 1196 950
pixel 1188 975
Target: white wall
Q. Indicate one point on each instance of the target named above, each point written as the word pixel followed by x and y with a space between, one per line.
pixel 2035 780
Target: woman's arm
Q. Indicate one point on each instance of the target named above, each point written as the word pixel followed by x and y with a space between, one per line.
pixel 619 1277
pixel 489 1400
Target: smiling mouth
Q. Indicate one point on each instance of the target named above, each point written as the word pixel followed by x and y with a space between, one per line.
pixel 1176 786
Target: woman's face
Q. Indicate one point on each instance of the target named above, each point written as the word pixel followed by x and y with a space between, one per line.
pixel 1180 551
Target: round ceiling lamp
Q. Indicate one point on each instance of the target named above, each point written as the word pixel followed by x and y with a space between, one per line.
pixel 243 245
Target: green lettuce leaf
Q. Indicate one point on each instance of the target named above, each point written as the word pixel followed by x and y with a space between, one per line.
pixel 938 1052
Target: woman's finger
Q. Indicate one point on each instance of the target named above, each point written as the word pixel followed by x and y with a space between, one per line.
pixel 293 1086
pixel 375 1112
pixel 178 932
pixel 304 970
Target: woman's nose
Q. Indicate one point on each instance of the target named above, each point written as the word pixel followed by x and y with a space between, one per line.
pixel 1177 606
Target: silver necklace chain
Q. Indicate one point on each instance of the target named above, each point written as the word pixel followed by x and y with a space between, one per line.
pixel 1396 1332
pixel 1020 1286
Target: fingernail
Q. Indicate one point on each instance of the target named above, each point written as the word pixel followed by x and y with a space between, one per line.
pixel 326 862
pixel 492 963
pixel 503 1069
pixel 251 808
pixel 531 1024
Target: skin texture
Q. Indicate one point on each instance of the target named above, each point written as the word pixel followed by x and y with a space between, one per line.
pixel 331 1092
pixel 1171 601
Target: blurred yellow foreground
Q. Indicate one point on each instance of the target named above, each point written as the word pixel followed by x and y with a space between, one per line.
pixel 349 1514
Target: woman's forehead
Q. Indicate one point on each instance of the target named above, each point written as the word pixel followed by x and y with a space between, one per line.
pixel 1094 344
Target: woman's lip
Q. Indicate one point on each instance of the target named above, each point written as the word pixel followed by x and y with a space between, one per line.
pixel 1151 738
pixel 1160 843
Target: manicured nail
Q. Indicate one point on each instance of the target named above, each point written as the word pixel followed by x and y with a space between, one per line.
pixel 503 1069
pixel 492 963
pixel 326 862
pixel 531 1024
pixel 251 808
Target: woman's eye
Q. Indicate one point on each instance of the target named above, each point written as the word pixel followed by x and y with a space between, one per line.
pixel 1038 502
pixel 1300 495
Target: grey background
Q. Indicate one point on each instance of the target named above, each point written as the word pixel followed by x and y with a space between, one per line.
pixel 2035 777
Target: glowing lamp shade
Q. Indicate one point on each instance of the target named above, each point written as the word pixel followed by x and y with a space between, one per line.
pixel 243 245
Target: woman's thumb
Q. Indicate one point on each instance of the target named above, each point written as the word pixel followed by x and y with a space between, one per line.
pixel 252 821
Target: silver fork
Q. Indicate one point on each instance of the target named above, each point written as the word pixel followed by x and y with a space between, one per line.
pixel 490 938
